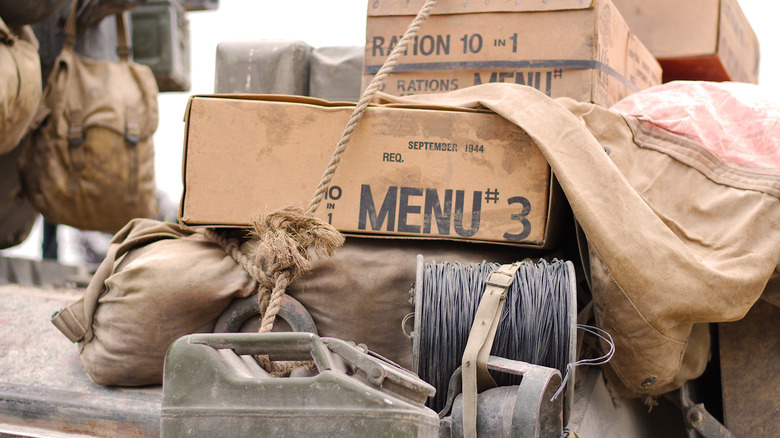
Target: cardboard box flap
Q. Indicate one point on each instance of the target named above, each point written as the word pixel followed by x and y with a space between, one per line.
pixel 276 98
pixel 412 7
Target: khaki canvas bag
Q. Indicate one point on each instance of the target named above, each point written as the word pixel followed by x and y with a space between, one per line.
pixel 677 239
pixel 159 282
pixel 20 83
pixel 89 162
pixel 156 284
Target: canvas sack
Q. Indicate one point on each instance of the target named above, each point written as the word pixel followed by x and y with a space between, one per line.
pixel 156 284
pixel 20 83
pixel 89 161
pixel 679 237
pixel 159 282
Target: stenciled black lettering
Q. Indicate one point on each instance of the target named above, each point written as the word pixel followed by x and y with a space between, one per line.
pixel 405 209
pixel 376 48
pixel 476 212
pixel 548 88
pixel 442 45
pixel 427 45
pixel 393 42
pixel 522 217
pixel 367 209
pixel 478 78
pixel 434 210
pixel 333 193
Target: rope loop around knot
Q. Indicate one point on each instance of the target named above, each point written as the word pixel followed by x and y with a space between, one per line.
pixel 285 241
pixel 286 237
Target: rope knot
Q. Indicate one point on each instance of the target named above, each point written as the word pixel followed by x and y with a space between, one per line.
pixel 286 237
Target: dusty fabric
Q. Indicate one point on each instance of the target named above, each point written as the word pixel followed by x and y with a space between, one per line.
pixel 17 216
pixel 362 292
pixel 20 83
pixel 670 248
pixel 156 284
pixel 89 160
pixel 772 292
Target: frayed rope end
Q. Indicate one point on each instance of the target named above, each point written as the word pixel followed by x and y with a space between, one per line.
pixel 286 236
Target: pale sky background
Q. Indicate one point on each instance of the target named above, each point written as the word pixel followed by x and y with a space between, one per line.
pixel 322 23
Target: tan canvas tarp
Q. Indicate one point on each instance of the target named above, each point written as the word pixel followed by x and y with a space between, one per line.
pixel 670 248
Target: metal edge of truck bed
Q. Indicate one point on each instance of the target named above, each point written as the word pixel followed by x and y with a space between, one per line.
pixel 34 411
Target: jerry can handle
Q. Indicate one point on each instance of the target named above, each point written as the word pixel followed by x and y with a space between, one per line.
pixel 277 345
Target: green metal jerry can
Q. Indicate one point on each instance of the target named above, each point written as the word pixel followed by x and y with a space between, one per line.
pixel 161 40
pixel 213 387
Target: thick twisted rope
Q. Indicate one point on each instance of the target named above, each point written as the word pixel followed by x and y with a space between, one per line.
pixel 285 236
pixel 281 280
pixel 365 98
pixel 284 239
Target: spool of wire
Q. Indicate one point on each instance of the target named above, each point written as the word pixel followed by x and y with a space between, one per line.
pixel 537 323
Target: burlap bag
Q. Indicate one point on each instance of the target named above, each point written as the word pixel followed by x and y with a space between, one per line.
pixel 677 239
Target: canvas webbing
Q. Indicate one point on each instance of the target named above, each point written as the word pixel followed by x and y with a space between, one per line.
pixel 483 331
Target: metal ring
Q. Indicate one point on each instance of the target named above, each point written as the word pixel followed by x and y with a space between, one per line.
pixel 406 319
pixel 241 309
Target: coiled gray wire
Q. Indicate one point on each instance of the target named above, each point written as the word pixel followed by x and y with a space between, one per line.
pixel 533 327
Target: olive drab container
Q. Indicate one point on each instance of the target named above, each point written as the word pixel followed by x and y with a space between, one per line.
pixel 213 387
pixel 161 40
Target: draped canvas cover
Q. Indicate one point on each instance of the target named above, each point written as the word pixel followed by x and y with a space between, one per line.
pixel 679 234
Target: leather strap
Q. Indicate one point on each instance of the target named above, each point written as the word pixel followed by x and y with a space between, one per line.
pixel 483 331
pixel 123 47
pixel 132 136
pixel 76 151
pixel 70 26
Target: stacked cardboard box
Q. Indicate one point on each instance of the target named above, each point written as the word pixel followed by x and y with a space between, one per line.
pixel 707 40
pixel 409 171
pixel 572 48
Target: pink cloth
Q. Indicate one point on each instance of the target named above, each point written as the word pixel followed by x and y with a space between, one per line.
pixel 733 121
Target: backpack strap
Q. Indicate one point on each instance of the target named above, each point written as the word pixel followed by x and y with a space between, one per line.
pixel 76 151
pixel 123 47
pixel 132 137
pixel 70 26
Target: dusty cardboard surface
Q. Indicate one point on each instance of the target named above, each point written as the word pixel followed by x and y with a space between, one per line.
pixel 692 29
pixel 582 50
pixel 451 174
pixel 696 39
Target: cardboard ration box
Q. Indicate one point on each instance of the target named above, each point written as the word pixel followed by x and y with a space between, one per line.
pixel 707 40
pixel 415 172
pixel 580 49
